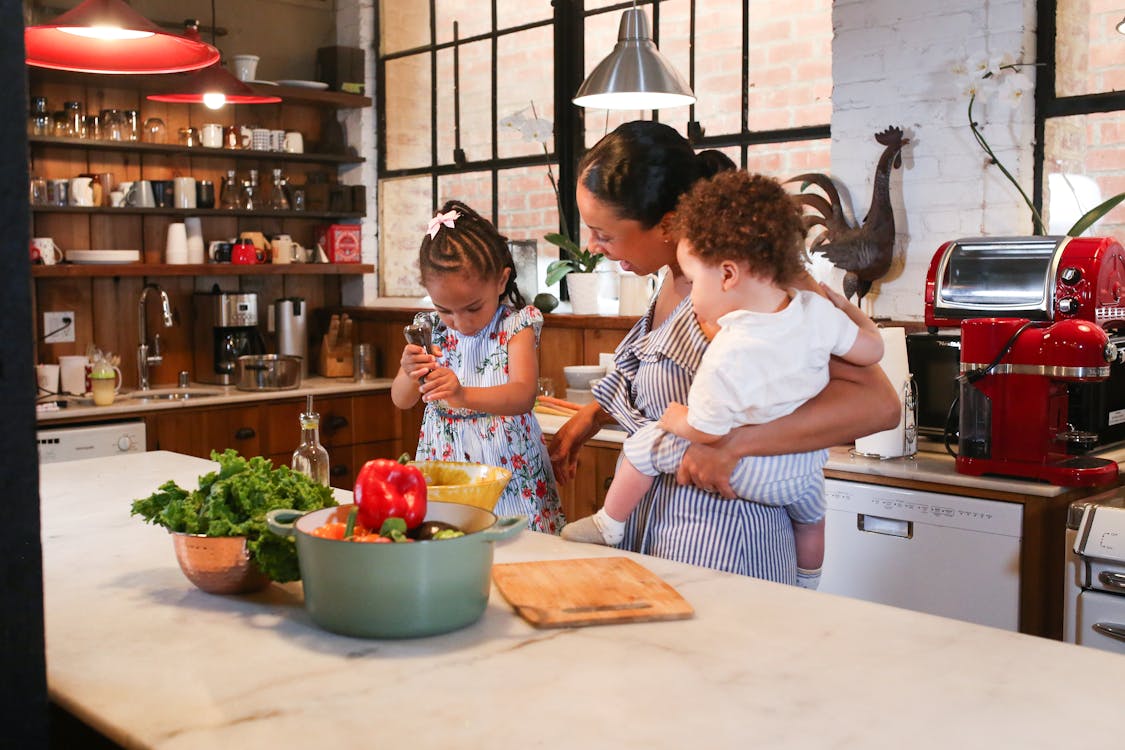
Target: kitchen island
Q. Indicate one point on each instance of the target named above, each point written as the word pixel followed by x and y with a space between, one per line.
pixel 142 656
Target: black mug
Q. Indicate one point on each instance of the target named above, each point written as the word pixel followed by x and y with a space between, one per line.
pixel 220 252
pixel 163 193
pixel 205 194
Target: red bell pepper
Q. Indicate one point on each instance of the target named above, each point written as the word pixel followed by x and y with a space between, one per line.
pixel 386 489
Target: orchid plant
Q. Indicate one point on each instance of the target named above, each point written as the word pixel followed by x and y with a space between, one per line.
pixel 975 75
pixel 576 259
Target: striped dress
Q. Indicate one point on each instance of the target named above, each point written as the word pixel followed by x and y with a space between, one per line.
pixel 687 524
pixel 514 442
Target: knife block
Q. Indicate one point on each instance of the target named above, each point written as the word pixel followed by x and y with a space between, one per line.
pixel 335 361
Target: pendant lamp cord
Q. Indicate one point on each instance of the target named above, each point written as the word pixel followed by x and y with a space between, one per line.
pixel 213 24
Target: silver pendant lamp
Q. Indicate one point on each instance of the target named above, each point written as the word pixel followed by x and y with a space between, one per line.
pixel 635 75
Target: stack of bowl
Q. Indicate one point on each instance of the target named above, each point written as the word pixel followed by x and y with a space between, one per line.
pixel 579 380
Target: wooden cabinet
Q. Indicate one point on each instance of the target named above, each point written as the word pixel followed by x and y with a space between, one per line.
pixel 585 494
pixel 353 428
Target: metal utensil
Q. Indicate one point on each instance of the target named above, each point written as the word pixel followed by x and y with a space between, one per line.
pixel 420 333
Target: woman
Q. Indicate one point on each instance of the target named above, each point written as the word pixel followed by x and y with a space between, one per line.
pixel 627 191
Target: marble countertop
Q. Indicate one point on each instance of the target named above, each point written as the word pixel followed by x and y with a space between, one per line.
pixel 144 657
pixel 125 406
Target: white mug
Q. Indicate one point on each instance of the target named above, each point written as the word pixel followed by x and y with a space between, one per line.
pixel 211 135
pixel 635 294
pixel 49 252
pixel 282 248
pixel 294 142
pixel 47 377
pixel 176 251
pixel 82 191
pixel 72 368
pixel 116 198
pixel 245 67
pixel 183 192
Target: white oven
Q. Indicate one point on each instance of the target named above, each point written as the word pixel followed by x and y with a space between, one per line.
pixel 90 441
pixel 1094 598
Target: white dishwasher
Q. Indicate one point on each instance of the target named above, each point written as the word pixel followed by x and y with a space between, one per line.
pixel 90 441
pixel 946 555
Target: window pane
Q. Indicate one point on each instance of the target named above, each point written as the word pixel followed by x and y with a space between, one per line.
pixel 403 25
pixel 718 66
pixel 785 160
pixel 1083 165
pixel 474 189
pixel 790 64
pixel 509 14
pixel 408 112
pixel 599 122
pixel 404 210
pixel 1088 48
pixel 476 102
pixel 473 18
pixel 525 76
pixel 527 203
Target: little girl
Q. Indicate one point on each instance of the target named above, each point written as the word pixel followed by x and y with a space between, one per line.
pixel 740 247
pixel 480 386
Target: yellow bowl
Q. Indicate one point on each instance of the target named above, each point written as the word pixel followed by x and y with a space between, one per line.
pixel 466 483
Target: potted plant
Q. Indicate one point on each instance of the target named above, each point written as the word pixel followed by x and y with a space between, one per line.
pixel 575 263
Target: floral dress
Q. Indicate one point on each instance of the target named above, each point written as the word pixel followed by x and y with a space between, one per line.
pixel 514 442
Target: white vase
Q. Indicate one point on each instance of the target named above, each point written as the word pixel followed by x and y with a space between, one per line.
pixel 583 288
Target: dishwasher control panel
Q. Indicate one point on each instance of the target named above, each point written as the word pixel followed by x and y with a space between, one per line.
pixel 90 441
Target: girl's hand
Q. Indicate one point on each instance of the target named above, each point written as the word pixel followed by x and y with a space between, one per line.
pixel 442 385
pixel 416 361
pixel 568 441
pixel 709 467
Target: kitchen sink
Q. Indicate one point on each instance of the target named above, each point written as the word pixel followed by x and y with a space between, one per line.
pixel 174 394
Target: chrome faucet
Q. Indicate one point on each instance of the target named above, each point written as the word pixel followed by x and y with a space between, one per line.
pixel 144 359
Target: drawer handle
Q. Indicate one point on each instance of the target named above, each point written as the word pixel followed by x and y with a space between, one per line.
pixel 335 422
pixel 1112 580
pixel 244 433
pixel 888 526
pixel 1110 630
pixel 338 470
pixel 608 481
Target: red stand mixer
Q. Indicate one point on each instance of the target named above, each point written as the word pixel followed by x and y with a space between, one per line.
pixel 1016 381
pixel 1042 379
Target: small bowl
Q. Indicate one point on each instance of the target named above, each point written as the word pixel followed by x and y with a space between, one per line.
pixel 462 482
pixel 580 376
pixel 579 395
pixel 218 564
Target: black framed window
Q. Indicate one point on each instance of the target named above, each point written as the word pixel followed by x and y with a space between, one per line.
pixel 451 73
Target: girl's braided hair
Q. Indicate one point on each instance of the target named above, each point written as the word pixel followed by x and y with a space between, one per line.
pixel 471 246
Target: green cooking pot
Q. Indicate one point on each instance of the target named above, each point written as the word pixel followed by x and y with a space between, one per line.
pixel 400 590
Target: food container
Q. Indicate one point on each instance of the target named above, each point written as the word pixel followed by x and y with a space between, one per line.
pixel 580 376
pixel 218 564
pixel 396 590
pixel 478 485
pixel 267 372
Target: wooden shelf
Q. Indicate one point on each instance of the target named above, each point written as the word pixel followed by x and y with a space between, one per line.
pixel 162 149
pixel 130 210
pixel 74 270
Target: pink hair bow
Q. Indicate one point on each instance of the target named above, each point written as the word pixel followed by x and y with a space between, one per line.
pixel 436 223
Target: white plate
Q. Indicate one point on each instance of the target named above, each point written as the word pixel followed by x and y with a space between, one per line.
pixel 318 85
pixel 264 83
pixel 103 256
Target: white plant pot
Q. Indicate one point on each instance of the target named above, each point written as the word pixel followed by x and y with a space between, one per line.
pixel 583 289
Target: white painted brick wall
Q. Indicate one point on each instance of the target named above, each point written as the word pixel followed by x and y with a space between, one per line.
pixel 891 63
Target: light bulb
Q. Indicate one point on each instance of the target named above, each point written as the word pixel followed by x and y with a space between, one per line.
pixel 112 33
pixel 214 99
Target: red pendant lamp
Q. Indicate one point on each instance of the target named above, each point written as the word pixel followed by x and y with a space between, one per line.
pixel 107 36
pixel 212 86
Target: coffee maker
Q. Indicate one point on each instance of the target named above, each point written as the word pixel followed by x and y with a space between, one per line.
pixel 226 328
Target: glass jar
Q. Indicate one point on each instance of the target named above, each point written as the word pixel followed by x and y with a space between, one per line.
pixel 113 125
pixel 91 127
pixel 39 120
pixel 73 113
pixel 229 194
pixel 132 125
pixel 154 131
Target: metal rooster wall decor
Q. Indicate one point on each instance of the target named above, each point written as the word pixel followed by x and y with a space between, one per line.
pixel 863 252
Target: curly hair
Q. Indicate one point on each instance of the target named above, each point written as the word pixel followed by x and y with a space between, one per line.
pixel 471 246
pixel 746 218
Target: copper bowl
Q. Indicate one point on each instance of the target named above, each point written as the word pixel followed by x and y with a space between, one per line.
pixel 218 564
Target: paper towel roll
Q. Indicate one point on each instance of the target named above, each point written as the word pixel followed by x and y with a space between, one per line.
pixel 890 443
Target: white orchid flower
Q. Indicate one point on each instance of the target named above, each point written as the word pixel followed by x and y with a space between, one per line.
pixel 514 121
pixel 1016 85
pixel 539 130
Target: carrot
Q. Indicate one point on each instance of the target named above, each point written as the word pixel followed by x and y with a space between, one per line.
pixel 558 403
pixel 553 412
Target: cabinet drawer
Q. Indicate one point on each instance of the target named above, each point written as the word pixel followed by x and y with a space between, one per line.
pixel 198 432
pixel 283 424
pixel 376 418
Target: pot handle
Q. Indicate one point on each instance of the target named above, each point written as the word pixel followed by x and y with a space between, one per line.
pixel 281 521
pixel 505 527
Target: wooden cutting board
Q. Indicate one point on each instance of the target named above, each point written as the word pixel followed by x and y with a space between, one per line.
pixel 587 591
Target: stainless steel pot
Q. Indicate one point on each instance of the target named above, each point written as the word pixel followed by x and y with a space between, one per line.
pixel 397 590
pixel 267 372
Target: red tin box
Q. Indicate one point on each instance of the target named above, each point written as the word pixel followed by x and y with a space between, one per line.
pixel 341 242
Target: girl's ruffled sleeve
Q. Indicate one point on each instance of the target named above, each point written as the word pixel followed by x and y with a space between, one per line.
pixel 521 319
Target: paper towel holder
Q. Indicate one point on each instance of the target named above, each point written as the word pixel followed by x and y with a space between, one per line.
pixel 907 427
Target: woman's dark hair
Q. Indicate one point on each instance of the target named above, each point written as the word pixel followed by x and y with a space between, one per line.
pixel 642 168
pixel 471 245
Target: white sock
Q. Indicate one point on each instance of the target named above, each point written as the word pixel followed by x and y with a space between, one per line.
pixel 613 531
pixel 808 579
